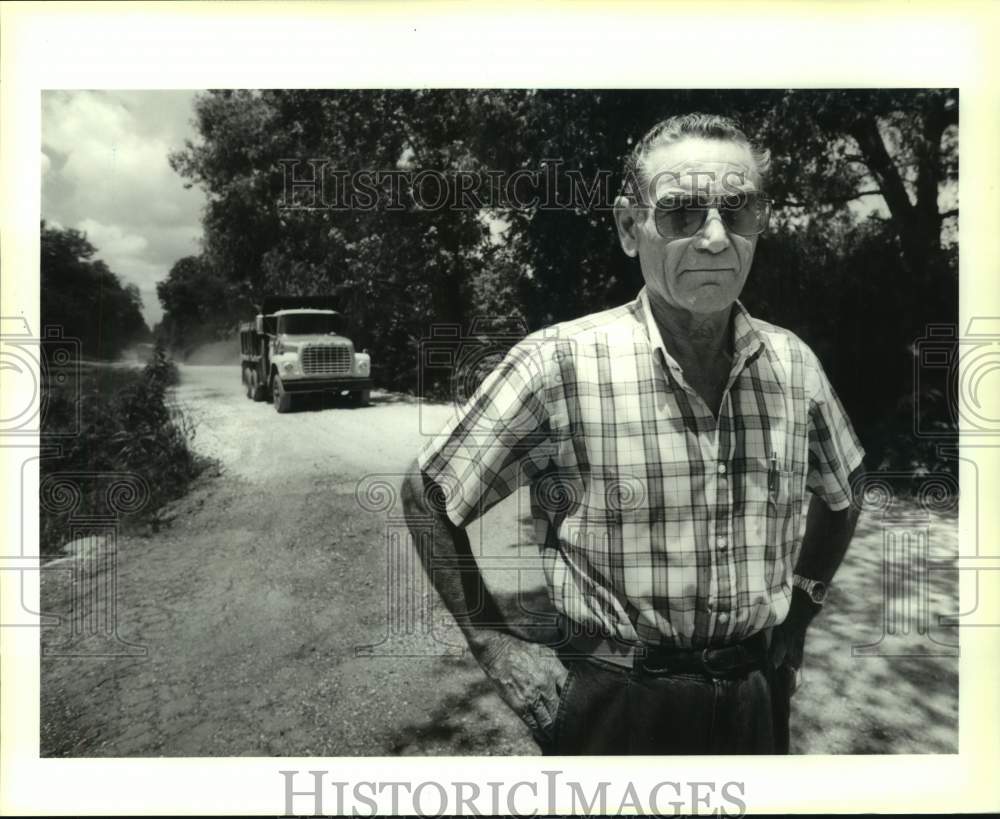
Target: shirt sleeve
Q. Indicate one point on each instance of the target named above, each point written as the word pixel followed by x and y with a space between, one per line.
pixel 496 442
pixel 834 449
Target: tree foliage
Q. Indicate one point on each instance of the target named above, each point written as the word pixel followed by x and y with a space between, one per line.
pixel 199 305
pixel 861 257
pixel 81 295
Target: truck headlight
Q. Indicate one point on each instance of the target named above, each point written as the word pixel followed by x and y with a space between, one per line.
pixel 362 363
pixel 288 367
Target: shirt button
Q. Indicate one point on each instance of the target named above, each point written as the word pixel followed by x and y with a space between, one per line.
pixel 721 542
pixel 722 469
pixel 723 617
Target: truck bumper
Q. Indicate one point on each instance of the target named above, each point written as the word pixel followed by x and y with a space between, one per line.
pixel 304 385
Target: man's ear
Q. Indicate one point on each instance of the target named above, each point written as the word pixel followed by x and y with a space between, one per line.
pixel 627 224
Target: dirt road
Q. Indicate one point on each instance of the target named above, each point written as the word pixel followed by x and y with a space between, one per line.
pixel 269 615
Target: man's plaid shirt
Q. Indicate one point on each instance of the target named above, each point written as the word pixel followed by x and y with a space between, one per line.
pixel 658 522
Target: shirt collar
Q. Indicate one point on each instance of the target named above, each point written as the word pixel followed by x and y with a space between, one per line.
pixel 746 339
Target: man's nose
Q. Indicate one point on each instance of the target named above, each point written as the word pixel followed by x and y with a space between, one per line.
pixel 713 236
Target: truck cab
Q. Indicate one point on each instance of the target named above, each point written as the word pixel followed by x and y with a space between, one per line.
pixel 295 350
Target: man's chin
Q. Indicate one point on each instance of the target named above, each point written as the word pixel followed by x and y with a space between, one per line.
pixel 710 298
pixel 704 299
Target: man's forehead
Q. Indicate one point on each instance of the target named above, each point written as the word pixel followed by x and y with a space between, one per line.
pixel 700 165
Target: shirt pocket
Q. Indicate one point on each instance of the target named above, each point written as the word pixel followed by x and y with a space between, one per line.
pixel 784 515
pixel 772 503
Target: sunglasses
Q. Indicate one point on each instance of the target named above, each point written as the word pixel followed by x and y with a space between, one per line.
pixel 745 214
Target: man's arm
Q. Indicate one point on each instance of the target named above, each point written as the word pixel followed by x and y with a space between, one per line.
pixel 529 676
pixel 827 536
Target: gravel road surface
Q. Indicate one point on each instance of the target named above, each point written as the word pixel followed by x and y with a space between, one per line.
pixel 267 615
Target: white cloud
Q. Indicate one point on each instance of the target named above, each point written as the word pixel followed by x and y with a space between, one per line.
pixel 112 240
pixel 105 170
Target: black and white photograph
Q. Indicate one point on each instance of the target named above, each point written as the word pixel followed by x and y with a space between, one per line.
pixel 501 422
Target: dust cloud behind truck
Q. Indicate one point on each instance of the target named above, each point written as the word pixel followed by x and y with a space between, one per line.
pixel 294 347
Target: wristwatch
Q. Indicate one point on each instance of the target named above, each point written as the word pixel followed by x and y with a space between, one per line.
pixel 816 589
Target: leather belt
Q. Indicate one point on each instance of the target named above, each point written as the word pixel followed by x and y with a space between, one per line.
pixel 659 661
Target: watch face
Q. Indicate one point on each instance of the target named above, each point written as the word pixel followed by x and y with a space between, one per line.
pixel 818 592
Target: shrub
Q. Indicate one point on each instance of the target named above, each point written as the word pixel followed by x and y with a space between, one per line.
pixel 125 425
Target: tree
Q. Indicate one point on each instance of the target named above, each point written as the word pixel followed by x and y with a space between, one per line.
pixel 393 272
pixel 199 305
pixel 899 145
pixel 866 285
pixel 81 295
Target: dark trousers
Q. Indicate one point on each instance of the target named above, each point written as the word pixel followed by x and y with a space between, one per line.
pixel 607 709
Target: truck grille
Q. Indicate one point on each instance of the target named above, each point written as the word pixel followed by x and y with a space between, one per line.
pixel 326 360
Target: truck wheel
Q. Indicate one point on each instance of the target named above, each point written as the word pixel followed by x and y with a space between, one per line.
pixel 282 400
pixel 257 391
pixel 362 397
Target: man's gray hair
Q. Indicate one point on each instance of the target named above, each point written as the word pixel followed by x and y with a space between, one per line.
pixel 673 129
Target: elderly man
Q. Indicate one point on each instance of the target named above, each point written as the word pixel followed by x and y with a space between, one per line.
pixel 668 444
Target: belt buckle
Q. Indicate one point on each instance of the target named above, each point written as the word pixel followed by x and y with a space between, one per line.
pixel 648 665
pixel 715 672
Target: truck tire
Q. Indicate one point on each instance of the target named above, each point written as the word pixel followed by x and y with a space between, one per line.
pixel 256 390
pixel 362 397
pixel 282 400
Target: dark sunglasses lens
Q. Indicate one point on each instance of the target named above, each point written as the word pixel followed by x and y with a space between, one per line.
pixel 748 216
pixel 678 218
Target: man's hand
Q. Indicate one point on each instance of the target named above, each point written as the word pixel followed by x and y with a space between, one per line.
pixel 788 641
pixel 529 677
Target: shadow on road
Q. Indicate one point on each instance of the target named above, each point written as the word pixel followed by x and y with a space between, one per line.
pixel 463 723
pixel 881 672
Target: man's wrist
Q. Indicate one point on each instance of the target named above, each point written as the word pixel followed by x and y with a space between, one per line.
pixel 816 589
pixel 486 644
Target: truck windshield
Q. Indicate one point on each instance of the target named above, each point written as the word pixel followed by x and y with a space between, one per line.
pixel 303 324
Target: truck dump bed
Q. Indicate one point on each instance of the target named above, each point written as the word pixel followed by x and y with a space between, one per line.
pixel 271 304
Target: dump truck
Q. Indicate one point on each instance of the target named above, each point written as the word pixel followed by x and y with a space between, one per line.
pixel 295 346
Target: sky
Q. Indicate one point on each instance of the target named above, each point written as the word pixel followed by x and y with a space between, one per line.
pixel 105 172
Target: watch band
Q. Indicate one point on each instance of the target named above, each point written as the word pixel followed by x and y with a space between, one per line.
pixel 816 589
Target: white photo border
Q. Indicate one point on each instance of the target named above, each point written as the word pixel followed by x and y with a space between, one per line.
pixel 231 45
